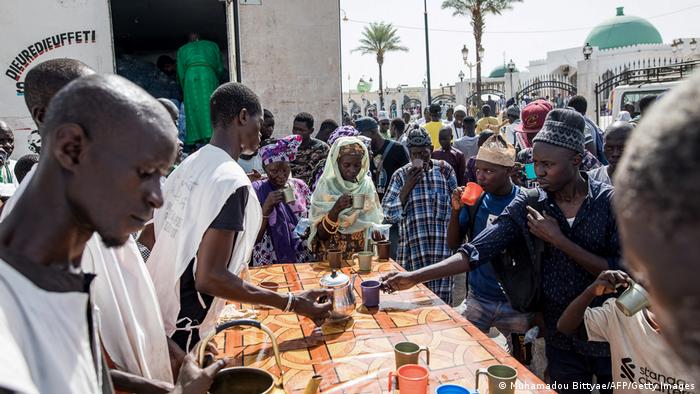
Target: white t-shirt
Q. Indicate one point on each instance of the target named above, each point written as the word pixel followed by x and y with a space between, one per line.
pixel 44 338
pixel 641 361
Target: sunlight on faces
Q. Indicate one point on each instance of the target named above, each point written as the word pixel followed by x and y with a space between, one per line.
pixel 445 139
pixel 250 132
pixel 421 152
pixel 302 129
pixel 268 127
pixel 350 166
pixel 7 140
pixel 278 173
pixel 115 194
pixel 554 166
pixel 491 177
pixel 459 119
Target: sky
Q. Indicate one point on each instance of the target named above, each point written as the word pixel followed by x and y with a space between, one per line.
pixel 526 32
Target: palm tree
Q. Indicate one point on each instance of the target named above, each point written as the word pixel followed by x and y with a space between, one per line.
pixel 476 10
pixel 380 38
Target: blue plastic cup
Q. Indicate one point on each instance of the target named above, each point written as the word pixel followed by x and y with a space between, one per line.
pixel 451 389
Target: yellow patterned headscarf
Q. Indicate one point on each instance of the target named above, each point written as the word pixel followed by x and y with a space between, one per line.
pixel 332 185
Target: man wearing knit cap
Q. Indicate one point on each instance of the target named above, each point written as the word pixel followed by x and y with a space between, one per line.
pixel 578 227
pixel 418 199
pixel 486 305
pixel 533 119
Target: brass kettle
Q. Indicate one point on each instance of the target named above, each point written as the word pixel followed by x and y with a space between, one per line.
pixel 249 380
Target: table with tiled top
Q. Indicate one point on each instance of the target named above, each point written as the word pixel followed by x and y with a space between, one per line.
pixel 357 356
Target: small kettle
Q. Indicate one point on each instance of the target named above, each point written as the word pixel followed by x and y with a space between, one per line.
pixel 343 294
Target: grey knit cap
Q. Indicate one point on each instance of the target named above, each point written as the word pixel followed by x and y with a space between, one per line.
pixel 418 138
pixel 564 128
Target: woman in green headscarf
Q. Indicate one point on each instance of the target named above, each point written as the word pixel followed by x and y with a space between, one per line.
pixel 334 223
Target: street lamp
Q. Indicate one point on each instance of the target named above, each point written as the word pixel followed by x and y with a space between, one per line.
pixel 465 53
pixel 587 51
pixel 461 75
pixel 693 44
pixel 345 15
pixel 425 83
pixel 511 70
pixel 481 52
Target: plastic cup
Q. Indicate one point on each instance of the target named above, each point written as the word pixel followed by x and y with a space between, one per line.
pixel 370 293
pixel 412 379
pixel 471 193
pixel 451 389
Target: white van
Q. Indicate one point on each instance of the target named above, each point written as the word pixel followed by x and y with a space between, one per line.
pixel 288 57
pixel 626 98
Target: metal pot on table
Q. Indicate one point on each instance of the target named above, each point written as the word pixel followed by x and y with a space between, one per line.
pixel 343 294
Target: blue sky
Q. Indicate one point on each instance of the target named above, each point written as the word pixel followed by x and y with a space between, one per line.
pixel 524 33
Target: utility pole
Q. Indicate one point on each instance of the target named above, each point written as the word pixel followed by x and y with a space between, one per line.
pixel 427 48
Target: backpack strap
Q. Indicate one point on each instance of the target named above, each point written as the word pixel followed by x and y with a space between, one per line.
pixel 473 209
pixel 380 167
pixel 533 200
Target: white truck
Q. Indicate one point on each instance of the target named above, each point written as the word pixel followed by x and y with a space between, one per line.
pixel 289 55
pixel 628 96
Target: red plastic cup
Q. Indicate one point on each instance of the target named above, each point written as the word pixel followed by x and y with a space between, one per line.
pixel 471 193
pixel 413 379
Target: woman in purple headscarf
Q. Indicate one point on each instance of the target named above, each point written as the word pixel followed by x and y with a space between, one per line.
pixel 277 241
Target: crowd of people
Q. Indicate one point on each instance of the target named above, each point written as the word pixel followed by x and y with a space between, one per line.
pixel 115 261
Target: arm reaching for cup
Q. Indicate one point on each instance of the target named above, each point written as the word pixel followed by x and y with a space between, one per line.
pixel 397 281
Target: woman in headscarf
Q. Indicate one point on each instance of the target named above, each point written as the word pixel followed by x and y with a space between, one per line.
pixel 342 131
pixel 277 241
pixel 334 223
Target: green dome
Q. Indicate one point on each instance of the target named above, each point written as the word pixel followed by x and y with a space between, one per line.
pixel 500 72
pixel 623 30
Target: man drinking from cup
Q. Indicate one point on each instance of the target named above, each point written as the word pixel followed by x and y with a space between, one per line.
pixel 418 198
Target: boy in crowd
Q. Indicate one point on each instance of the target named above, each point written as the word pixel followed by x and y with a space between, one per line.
pixel 640 357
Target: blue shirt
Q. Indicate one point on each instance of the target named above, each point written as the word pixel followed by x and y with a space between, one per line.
pixel 483 281
pixel 594 229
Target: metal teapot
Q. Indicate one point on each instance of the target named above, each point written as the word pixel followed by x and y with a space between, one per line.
pixel 343 294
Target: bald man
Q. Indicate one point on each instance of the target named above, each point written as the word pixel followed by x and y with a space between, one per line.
pixel 139 353
pixel 47 320
pixel 45 79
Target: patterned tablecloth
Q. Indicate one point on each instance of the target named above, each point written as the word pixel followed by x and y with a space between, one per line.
pixel 358 356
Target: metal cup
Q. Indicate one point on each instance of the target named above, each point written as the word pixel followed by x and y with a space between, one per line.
pixel 408 352
pixel 632 300
pixel 501 378
pixel 364 260
pixel 288 194
pixel 358 201
pixel 334 257
pixel 383 249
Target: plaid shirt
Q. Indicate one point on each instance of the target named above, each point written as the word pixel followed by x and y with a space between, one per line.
pixel 423 221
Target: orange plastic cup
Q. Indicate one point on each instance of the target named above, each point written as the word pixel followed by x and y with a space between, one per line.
pixel 413 379
pixel 471 193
